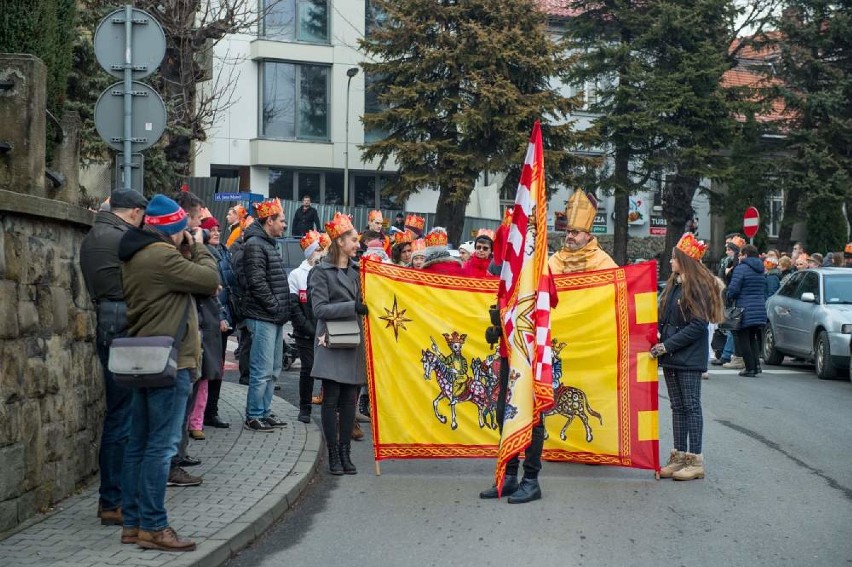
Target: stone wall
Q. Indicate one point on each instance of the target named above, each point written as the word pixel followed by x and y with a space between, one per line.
pixel 51 388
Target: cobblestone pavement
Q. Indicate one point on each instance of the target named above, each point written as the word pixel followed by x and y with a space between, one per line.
pixel 250 480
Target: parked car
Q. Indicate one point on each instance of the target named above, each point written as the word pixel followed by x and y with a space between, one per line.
pixel 806 318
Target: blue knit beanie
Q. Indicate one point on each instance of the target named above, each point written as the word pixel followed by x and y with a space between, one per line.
pixel 165 215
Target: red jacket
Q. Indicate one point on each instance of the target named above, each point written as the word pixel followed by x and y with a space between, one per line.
pixel 477 267
pixel 449 266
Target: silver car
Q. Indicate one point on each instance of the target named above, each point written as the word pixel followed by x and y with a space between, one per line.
pixel 805 319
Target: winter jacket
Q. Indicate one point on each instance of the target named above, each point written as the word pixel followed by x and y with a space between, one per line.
pixel 267 294
pixel 748 291
pixel 99 257
pixel 684 336
pixel 773 281
pixel 477 267
pixel 158 286
pixel 305 220
pixel 229 280
pixel 443 264
pixel 301 310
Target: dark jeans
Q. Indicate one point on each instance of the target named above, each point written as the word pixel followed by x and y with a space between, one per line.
pixel 338 411
pixel 532 454
pixel 115 433
pixel 684 387
pixel 157 416
pixel 245 353
pixel 305 347
pixel 748 343
pixel 184 436
pixel 112 323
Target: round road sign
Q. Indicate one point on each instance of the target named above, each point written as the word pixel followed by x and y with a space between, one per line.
pixel 148 116
pixel 751 222
pixel 147 43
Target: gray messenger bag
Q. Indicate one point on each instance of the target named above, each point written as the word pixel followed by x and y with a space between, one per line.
pixel 147 362
pixel 343 334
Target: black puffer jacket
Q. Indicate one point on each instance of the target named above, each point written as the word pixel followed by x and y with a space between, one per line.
pixel 267 294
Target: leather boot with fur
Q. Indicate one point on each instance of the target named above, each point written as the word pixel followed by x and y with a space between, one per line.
pixel 164 540
pixel 693 469
pixel 677 460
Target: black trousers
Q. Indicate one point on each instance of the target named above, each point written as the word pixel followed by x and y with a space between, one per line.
pixel 532 455
pixel 245 354
pixel 214 387
pixel 748 340
pixel 305 346
pixel 338 411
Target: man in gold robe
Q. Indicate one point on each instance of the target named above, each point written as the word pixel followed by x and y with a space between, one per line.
pixel 580 251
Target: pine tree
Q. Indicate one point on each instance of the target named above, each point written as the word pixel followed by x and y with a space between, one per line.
pixel 816 84
pixel 461 83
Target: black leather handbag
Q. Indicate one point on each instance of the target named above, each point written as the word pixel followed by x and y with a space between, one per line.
pixel 733 319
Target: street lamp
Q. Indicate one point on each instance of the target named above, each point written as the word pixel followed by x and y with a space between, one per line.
pixel 351 72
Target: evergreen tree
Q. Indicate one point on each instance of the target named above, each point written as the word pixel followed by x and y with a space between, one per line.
pixel 815 73
pixel 461 83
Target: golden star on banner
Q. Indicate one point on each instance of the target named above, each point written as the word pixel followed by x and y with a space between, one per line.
pixel 395 318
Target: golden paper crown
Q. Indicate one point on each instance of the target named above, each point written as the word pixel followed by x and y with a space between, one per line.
pixel 455 338
pixel 338 226
pixel 436 237
pixel 738 241
pixel 580 211
pixel 374 215
pixel 403 237
pixel 415 223
pixel 241 211
pixel 418 245
pixel 485 232
pixel 310 237
pixel 692 247
pixel 266 209
pixel 325 241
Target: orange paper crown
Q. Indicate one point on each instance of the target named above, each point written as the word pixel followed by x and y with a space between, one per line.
pixel 403 237
pixel 241 211
pixel 325 241
pixel 485 232
pixel 738 241
pixel 418 245
pixel 455 338
pixel 693 248
pixel 415 223
pixel 338 226
pixel 436 237
pixel 374 215
pixel 266 209
pixel 310 237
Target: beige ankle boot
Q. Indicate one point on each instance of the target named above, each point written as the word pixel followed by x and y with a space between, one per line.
pixel 677 460
pixel 694 468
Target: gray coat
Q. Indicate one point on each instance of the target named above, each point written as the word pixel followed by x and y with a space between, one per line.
pixel 333 295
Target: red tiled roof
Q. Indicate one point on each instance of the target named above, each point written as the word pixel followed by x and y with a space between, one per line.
pixel 556 8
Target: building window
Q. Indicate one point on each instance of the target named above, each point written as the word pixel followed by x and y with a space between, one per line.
pixel 333 188
pixel 295 101
pixel 365 191
pixel 776 213
pixel 281 184
pixel 374 18
pixel 372 106
pixel 309 184
pixel 296 20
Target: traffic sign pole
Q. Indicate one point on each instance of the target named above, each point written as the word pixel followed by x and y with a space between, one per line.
pixel 128 94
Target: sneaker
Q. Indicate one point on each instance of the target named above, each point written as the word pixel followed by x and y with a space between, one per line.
pixel 361 418
pixel 718 361
pixel 705 375
pixel 258 425
pixel 179 477
pixel 188 461
pixel 273 421
pixel 305 415
pixel 736 363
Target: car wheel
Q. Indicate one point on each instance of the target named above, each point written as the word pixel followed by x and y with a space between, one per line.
pixel 822 357
pixel 770 354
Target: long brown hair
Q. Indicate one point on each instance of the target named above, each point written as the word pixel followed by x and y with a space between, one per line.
pixel 334 250
pixel 701 297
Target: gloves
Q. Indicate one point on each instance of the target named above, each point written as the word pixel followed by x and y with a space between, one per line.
pixel 658 350
pixel 360 308
pixel 494 313
pixel 493 335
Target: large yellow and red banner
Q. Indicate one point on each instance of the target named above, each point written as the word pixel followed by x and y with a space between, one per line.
pixel 434 380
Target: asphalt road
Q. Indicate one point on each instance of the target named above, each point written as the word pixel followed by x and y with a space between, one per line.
pixel 778 491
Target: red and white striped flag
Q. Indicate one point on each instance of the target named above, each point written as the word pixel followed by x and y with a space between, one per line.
pixel 525 297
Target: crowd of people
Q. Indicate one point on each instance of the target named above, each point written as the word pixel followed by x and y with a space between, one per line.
pixel 166 267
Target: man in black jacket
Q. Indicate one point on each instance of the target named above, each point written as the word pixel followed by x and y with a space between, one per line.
pixel 266 309
pixel 305 218
pixel 101 270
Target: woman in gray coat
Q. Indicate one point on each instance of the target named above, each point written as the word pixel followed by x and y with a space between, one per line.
pixel 335 288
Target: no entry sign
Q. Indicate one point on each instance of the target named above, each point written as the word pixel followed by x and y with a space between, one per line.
pixel 751 222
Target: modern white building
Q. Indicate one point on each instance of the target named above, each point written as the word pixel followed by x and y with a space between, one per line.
pixel 291 118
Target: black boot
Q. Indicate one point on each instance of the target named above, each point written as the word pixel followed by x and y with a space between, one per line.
pixel 304 414
pixel 364 404
pixel 510 486
pixel 334 466
pixel 345 460
pixel 528 491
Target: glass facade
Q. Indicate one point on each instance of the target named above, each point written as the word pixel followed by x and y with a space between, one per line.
pixel 326 187
pixel 295 102
pixel 296 20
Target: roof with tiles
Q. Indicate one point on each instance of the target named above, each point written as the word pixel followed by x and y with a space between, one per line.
pixel 556 8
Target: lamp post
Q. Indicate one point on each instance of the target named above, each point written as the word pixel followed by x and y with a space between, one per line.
pixel 351 72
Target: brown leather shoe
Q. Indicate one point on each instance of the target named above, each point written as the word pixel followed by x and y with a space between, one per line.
pixel 110 517
pixel 129 535
pixel 357 433
pixel 164 540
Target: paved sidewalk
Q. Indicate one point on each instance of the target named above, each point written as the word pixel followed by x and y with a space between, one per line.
pixel 250 480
